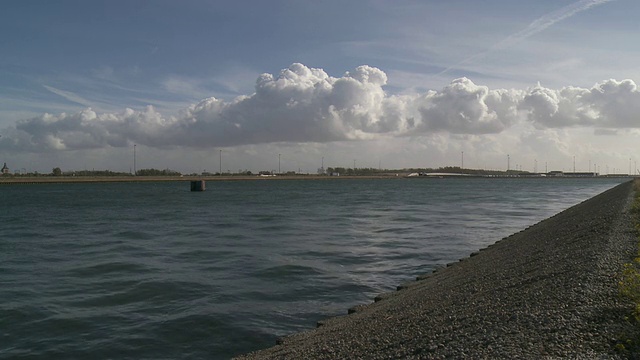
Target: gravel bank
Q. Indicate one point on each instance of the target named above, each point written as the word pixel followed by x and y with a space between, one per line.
pixel 549 291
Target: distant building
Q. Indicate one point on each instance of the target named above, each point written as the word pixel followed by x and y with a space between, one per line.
pixel 573 174
pixel 4 170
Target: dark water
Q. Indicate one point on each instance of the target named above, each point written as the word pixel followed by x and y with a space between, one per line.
pixel 153 271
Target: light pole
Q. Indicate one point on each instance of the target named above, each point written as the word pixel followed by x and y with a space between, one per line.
pixel 279 172
pixel 135 172
pixel 220 172
pixel 508 160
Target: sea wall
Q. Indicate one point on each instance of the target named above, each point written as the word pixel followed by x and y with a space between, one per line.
pixel 548 291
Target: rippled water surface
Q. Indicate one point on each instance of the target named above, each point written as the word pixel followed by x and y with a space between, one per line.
pixel 154 271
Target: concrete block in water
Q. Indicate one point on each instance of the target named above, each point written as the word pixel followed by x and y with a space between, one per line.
pixel 198 185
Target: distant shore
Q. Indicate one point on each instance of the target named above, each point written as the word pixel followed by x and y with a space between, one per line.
pixel 113 179
pixel 107 179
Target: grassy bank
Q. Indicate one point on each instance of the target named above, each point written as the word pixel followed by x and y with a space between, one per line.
pixel 629 284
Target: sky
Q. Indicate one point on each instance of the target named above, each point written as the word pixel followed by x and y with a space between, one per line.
pixel 294 85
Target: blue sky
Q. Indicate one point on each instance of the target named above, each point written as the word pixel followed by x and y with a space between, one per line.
pixel 396 83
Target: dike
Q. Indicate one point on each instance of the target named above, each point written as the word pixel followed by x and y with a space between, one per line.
pixel 549 291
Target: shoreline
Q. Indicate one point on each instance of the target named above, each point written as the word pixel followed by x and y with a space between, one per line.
pixel 549 291
pixel 121 179
pixel 112 179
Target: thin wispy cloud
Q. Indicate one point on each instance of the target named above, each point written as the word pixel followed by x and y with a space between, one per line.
pixel 69 96
pixel 549 20
pixel 535 27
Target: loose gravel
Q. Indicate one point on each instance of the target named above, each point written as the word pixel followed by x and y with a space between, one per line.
pixel 547 292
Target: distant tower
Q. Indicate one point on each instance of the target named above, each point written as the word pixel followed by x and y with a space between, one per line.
pixel 5 169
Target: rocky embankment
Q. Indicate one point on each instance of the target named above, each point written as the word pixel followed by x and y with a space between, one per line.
pixel 549 291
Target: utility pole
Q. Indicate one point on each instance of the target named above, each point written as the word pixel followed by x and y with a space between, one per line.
pixel 508 160
pixel 220 163
pixel 462 163
pixel 279 172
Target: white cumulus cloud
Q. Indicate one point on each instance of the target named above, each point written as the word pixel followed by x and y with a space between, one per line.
pixel 466 108
pixel 611 104
pixel 303 104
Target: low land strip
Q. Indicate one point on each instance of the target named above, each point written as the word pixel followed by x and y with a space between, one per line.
pixel 108 179
pixel 48 179
pixel 550 291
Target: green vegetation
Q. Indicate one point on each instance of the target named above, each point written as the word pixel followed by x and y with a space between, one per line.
pixel 95 173
pixel 156 172
pixel 629 285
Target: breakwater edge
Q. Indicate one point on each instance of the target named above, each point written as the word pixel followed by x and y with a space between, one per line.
pixel 549 291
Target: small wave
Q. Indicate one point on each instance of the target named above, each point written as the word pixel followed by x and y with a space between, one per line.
pixel 266 218
pixel 144 292
pixel 109 268
pixel 135 235
pixel 395 230
pixel 285 273
pixel 273 227
pixel 204 255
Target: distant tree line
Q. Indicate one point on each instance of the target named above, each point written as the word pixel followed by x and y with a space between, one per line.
pixel 156 172
pixel 107 173
pixel 357 171
pixel 58 172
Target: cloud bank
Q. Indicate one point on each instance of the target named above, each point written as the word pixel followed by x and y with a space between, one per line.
pixel 303 104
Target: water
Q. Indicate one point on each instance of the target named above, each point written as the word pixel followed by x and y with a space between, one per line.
pixel 153 271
